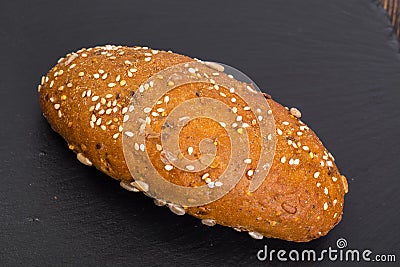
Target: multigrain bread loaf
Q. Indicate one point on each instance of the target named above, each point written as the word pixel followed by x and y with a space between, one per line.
pixel 86 96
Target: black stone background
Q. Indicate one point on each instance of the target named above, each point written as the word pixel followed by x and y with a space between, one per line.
pixel 335 60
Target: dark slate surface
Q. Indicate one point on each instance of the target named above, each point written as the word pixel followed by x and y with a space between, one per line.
pixel 337 61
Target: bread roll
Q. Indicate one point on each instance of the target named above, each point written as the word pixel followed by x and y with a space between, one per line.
pixel 86 96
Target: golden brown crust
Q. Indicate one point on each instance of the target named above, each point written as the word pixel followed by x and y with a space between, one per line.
pixel 85 96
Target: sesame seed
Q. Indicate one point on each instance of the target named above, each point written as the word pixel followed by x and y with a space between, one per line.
pixel 72 66
pixel 222 94
pixel 279 131
pixel 136 146
pixel 104 76
pixel 210 184
pixel 168 167
pixel 256 235
pixel 190 150
pixel 133 70
pixel 334 179
pixel 101 71
pixel 218 183
pixel 127 62
pixel 285 123
pixel 239 118
pixel 126 118
pixel 240 130
pixel 208 222
pixel 84 55
pixel 190 167
pixel 115 109
pixel 192 70
pixel 245 125
pixel 291 162
pixel 329 163
pixel 170 83
pixel 260 118
pixel 118 78
pixel 214 66
pixel 80 74
pixel 299 133
pixel 316 175
pixel 247 161
pixel 98 122
pixel 108 111
pixel 178 210
pixel 306 148
pixel 51 83
pixel 130 74
pixel 166 99
pixel 247 108
pixel 59 113
pixel 56 106
pixel 208 180
pixel 112 85
pixel 269 112
pixel 269 137
pixel 103 127
pixel 205 176
pixel 295 112
pixel 129 134
pixel 124 110
pixel 103 101
pixel 318 184
pixel 122 83
pixel 322 163
pixel 234 110
pixel 89 93
pixel 158 147
pixel 142 147
pixel 93 118
pixel 334 202
pixel 155 114
pixel 147 59
pixel 51 99
pixel 115 136
pixel 91 108
pixel 147 110
pixel 283 159
pixel 250 172
pixel 83 159
pixel 95 98
pixel 325 206
pixel 326 191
